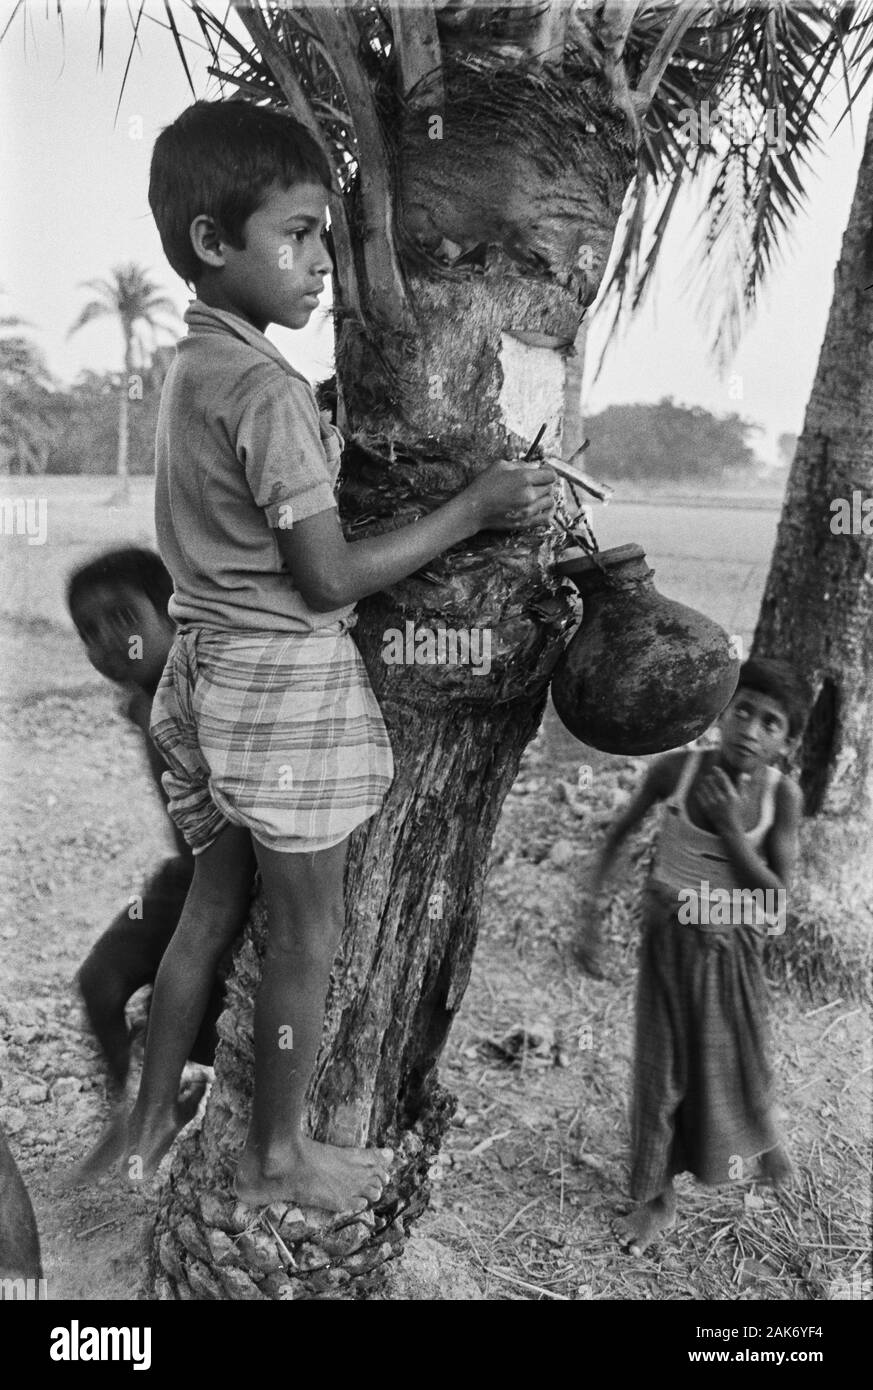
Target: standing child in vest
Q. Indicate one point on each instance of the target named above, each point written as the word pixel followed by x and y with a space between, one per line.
pixel 264 714
pixel 702 1088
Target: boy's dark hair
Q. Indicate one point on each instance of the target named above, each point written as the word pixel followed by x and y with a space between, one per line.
pixel 775 678
pixel 137 568
pixel 217 160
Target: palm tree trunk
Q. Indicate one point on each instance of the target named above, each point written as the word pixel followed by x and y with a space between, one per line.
pixel 574 424
pixel 123 438
pixel 122 475
pixel 481 365
pixel 817 611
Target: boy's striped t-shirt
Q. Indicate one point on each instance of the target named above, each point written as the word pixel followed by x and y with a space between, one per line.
pixel 241 450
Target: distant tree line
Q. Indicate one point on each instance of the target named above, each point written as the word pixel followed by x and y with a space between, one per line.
pixel 46 428
pixel 666 442
pixel 105 422
pixel 75 429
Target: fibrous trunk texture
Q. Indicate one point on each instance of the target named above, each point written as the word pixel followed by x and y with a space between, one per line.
pixel 817 613
pixel 817 610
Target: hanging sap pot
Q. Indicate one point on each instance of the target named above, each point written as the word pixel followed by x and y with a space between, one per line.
pixel 642 673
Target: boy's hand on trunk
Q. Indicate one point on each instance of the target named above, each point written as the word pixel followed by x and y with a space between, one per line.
pixel 511 496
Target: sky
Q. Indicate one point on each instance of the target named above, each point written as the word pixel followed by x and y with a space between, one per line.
pixel 75 179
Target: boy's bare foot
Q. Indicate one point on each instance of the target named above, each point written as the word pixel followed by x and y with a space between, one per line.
pixel 636 1231
pixel 316 1175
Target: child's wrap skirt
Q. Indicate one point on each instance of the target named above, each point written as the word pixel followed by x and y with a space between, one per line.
pixel 277 732
pixel 702 1098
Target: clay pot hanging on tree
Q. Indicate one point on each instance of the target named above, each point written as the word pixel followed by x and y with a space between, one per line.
pixel 642 673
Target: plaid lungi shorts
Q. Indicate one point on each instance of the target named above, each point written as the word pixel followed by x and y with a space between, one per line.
pixel 277 732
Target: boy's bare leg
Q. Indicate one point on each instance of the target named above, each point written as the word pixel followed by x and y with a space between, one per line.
pixel 636 1231
pixel 213 914
pixel 305 913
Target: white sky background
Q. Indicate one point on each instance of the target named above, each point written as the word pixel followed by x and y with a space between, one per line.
pixel 75 204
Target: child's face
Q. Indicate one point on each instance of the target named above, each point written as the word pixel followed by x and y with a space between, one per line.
pixel 279 273
pixel 125 636
pixel 754 730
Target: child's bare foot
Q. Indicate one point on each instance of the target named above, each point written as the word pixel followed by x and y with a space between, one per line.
pixel 106 1152
pixel 142 1146
pixel 636 1231
pixel 316 1175
pixel 776 1168
pixel 149 1140
pixel 588 953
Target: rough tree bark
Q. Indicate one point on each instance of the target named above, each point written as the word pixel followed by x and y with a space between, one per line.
pixel 817 610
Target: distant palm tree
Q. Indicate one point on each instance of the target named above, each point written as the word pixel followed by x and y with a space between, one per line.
pixel 133 298
pixel 28 417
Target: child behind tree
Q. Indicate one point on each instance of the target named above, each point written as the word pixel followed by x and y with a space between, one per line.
pixel 118 603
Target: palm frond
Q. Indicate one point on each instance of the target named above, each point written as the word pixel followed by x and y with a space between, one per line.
pixel 341 43
pixel 179 46
pixel 683 19
pixel 132 297
pixel 19 4
pixel 97 309
pixel 727 243
pixel 205 30
pixel 159 304
pixel 856 57
pixel 416 44
pixel 134 44
pixel 314 104
pixel 282 70
pixel 104 288
pixel 333 65
pixel 101 38
pixel 734 67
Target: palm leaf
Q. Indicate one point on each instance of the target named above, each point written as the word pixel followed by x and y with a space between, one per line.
pixel 19 4
pixel 95 310
pixel 179 48
pixel 101 40
pixel 134 43
pixel 657 58
pixel 745 59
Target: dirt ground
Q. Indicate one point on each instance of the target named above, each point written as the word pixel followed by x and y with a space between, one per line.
pixel 536 1161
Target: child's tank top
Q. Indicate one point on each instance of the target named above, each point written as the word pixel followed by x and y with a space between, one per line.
pixel 687 856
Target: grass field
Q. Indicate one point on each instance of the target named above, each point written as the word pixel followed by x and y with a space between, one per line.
pixel 536 1159
pixel 713 556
